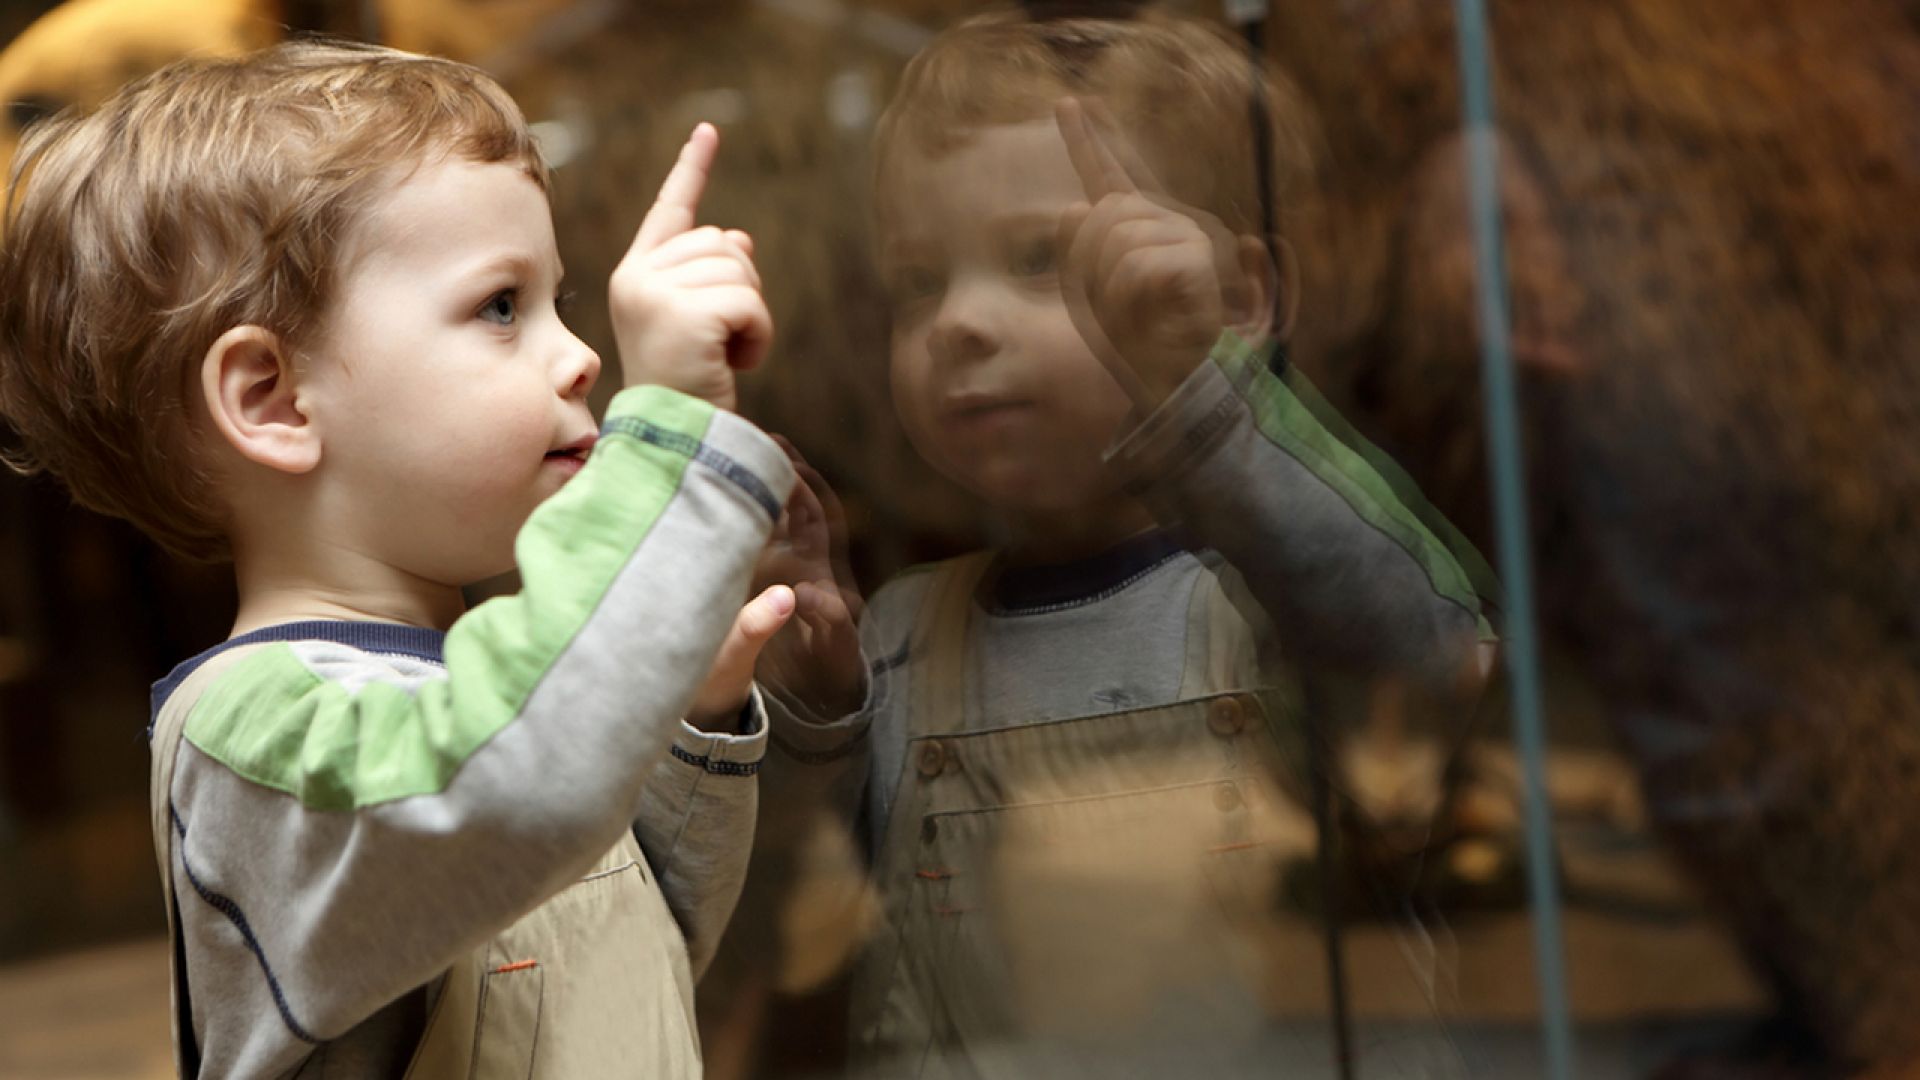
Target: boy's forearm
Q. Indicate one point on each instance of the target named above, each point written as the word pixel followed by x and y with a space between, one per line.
pixel 695 815
pixel 1350 575
pixel 452 807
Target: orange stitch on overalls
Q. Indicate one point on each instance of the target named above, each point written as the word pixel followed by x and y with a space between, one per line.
pixel 1242 846
pixel 940 874
pixel 518 965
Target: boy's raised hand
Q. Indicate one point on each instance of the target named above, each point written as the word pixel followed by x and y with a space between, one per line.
pixel 1150 284
pixel 685 300
pixel 717 704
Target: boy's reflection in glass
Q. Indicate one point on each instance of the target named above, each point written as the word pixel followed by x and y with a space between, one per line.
pixel 1076 760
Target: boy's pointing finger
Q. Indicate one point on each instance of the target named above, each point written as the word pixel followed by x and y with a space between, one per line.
pixel 678 203
pixel 1101 174
pixel 1111 138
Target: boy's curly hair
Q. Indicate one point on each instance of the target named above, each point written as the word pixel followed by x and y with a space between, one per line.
pixel 211 194
pixel 1185 90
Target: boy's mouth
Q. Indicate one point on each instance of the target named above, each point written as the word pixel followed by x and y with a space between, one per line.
pixel 574 454
pixel 969 410
pixel 968 402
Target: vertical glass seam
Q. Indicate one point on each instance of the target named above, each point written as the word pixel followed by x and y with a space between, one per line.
pixel 1509 492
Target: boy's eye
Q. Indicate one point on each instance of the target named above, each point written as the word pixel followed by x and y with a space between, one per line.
pixel 1034 259
pixel 502 307
pixel 912 283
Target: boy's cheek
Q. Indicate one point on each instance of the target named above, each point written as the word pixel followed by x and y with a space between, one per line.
pixel 909 383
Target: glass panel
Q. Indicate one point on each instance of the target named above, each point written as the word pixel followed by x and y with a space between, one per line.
pixel 1151 704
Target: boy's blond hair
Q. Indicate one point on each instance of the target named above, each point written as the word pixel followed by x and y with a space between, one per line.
pixel 211 194
pixel 1184 90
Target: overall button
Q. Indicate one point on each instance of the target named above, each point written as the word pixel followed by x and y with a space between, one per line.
pixel 929 830
pixel 1226 716
pixel 933 759
pixel 1226 798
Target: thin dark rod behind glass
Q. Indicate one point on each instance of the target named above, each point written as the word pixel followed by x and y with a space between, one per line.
pixel 1252 19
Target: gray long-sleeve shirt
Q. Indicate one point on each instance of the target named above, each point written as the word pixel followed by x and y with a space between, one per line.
pixel 355 809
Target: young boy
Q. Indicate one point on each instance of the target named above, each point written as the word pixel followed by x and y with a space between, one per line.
pixel 299 309
pixel 1074 759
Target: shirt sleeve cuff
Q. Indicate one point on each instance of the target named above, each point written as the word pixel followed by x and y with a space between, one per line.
pixel 725 754
pixel 1186 425
pixel 806 735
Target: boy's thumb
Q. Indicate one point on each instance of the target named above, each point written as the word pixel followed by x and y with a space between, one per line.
pixel 758 621
pixel 765 614
pixel 730 678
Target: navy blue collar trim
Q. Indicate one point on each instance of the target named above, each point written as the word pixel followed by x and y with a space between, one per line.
pixel 387 639
pixel 1028 590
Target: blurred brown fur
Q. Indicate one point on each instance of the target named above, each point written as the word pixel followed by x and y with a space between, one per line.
pixel 1715 282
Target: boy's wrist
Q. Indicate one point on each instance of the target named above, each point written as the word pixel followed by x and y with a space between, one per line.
pixel 803 729
pixel 660 404
pixel 1226 348
pixel 737 720
pixel 717 392
pixel 829 703
pixel 1162 444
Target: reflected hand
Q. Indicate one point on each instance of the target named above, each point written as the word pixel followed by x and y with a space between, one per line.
pixel 1150 284
pixel 685 300
pixel 816 658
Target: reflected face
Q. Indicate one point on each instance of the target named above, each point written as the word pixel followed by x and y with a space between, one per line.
pixel 452 399
pixel 994 385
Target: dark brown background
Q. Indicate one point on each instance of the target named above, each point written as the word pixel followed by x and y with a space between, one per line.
pixel 1715 273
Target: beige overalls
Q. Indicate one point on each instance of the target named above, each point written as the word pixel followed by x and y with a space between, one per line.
pixel 592 983
pixel 1071 891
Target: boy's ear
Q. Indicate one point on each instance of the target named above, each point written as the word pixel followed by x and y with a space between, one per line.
pixel 252 395
pixel 1275 278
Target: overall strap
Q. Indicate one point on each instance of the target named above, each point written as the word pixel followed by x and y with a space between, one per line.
pixel 938 646
pixel 168 727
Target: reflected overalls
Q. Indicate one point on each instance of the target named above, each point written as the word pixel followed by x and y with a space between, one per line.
pixel 1100 895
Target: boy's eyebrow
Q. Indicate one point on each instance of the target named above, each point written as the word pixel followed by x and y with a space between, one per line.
pixel 1045 216
pixel 1024 220
pixel 898 247
pixel 518 263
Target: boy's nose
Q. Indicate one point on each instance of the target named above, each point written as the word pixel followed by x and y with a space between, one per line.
pixel 966 327
pixel 576 373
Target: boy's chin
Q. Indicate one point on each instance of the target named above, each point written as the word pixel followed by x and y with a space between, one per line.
pixel 503 582
pixel 1049 486
pixel 1036 497
pixel 481 570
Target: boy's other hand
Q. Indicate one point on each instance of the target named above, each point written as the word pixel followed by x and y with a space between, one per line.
pixel 685 300
pixel 730 679
pixel 816 657
pixel 1150 283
